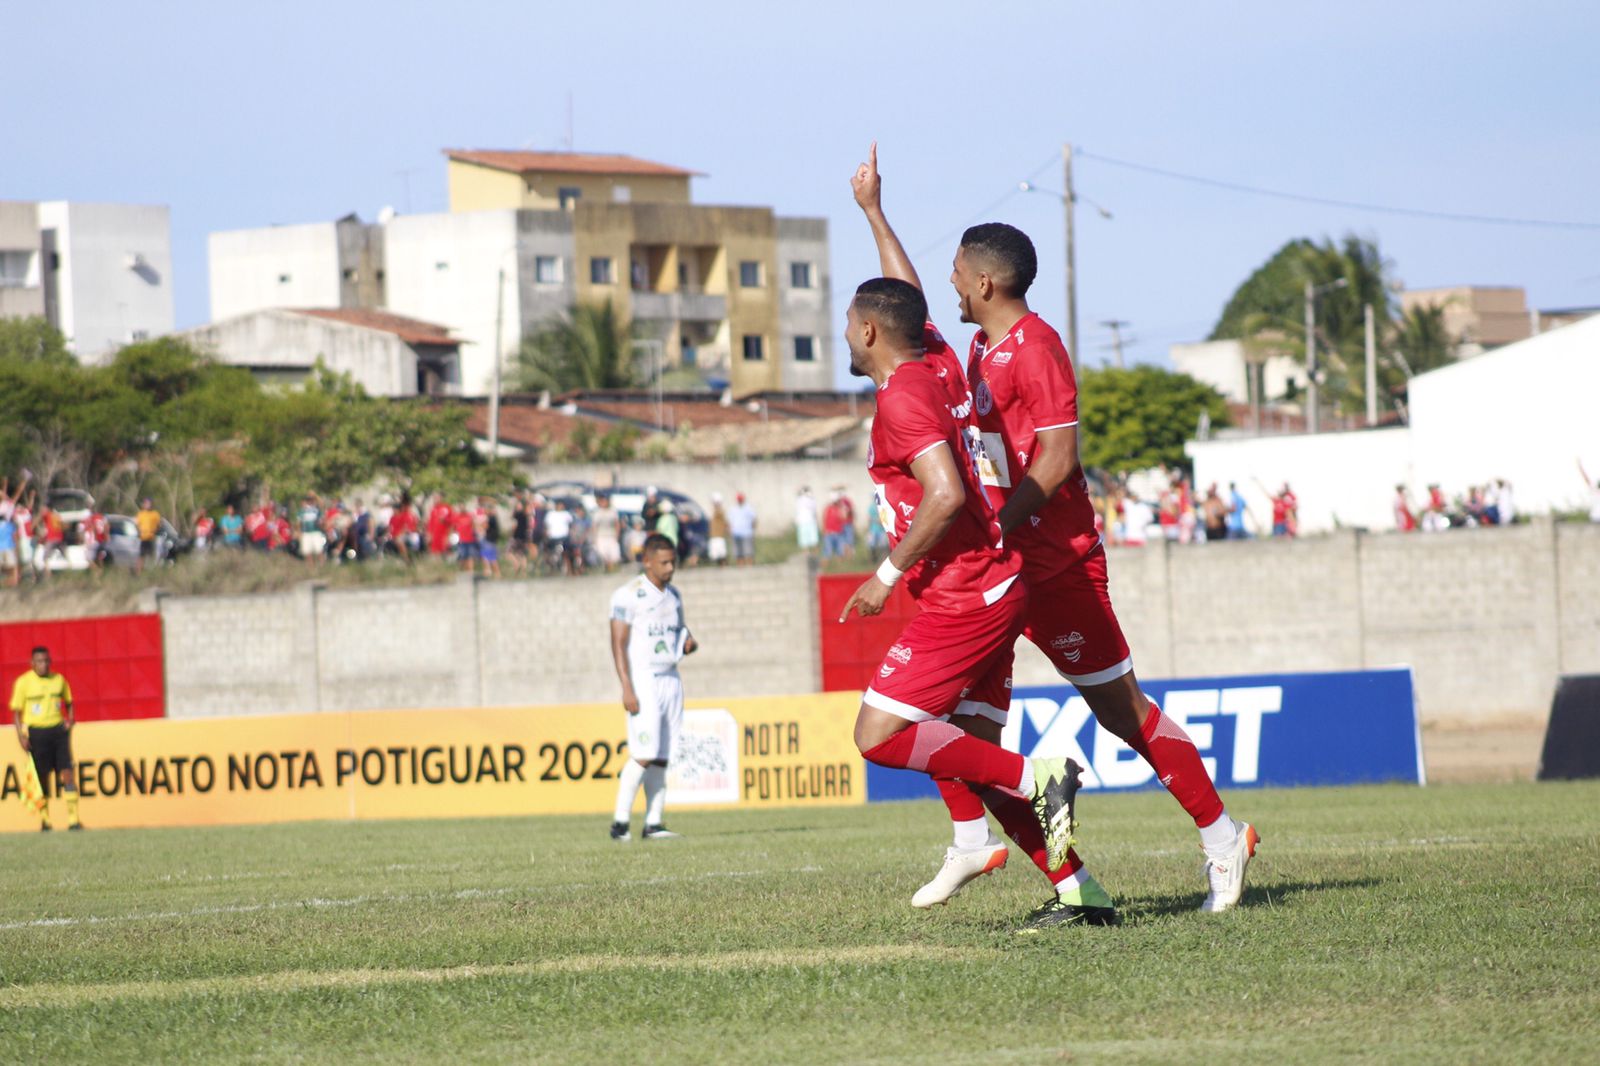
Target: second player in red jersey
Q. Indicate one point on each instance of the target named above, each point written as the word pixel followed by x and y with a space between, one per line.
pixel 946 546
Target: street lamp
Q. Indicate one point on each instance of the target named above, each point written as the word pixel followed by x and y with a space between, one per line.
pixel 1312 392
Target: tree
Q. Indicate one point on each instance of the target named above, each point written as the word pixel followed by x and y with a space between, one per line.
pixel 1267 311
pixel 588 348
pixel 33 340
pixel 1138 418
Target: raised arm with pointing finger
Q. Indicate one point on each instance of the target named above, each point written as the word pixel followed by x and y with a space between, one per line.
pixel 868 188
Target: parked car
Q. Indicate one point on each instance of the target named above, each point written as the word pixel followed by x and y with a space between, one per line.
pixel 124 541
pixel 694 526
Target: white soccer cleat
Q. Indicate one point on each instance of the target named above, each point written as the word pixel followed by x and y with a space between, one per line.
pixel 1225 868
pixel 961 866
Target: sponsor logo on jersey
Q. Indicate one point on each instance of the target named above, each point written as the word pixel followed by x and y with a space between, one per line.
pixel 984 398
pixel 886 671
pixel 907 508
pixel 900 654
pixel 1070 645
pixel 661 647
pixel 1002 358
pixel 1019 336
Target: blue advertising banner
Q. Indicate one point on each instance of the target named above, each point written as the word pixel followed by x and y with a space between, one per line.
pixel 1264 730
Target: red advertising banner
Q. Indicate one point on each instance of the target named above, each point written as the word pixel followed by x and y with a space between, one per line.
pixel 114 663
pixel 852 652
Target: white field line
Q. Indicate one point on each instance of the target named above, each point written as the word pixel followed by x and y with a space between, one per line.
pixel 23 997
pixel 391 897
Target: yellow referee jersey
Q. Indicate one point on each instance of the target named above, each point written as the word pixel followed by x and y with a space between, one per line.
pixel 39 699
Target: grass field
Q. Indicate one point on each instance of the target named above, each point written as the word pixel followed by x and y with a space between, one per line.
pixel 1382 924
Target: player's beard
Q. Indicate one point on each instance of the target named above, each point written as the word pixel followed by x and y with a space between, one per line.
pixel 857 370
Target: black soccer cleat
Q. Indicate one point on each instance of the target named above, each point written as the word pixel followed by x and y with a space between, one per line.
pixel 619 831
pixel 659 832
pixel 1057 912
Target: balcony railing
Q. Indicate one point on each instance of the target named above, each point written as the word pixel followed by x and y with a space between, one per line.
pixel 680 306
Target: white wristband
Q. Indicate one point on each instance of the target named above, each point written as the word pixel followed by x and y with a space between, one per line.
pixel 888 574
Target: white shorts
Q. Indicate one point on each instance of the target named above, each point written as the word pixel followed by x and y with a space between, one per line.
pixel 312 544
pixel 660 718
pixel 609 549
pixel 717 549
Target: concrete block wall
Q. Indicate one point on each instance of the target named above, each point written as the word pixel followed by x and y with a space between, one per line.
pixel 474 643
pixel 1488 619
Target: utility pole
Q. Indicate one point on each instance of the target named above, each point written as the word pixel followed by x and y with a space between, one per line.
pixel 1372 368
pixel 1069 199
pixel 499 357
pixel 1115 326
pixel 1311 358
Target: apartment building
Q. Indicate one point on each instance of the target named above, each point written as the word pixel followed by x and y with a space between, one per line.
pixel 739 294
pixel 100 273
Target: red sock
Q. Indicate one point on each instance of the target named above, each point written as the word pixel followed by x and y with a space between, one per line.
pixel 1166 747
pixel 1016 817
pixel 945 752
pixel 964 803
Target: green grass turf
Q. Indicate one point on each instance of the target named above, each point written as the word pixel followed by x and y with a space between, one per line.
pixel 1382 924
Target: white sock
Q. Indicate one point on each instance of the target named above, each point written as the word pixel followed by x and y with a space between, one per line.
pixel 974 834
pixel 1219 834
pixel 1072 881
pixel 627 788
pixel 1025 786
pixel 655 793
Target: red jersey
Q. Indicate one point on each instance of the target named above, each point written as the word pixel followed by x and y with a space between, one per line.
pixel 1021 385
pixel 466 528
pixel 968 568
pixel 403 521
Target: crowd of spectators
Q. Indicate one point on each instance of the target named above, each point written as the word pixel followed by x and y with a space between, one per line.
pixel 1177 513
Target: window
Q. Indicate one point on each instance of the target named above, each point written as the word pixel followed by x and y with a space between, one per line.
pixel 546 270
pixel 600 272
pixel 349 274
pixel 283 279
pixel 805 349
pixel 753 348
pixel 749 274
pixel 800 275
pixel 16 269
pixel 137 335
pixel 441 265
pixel 569 195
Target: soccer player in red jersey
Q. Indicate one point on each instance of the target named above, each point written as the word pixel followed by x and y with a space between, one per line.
pixel 945 545
pixel 1070 615
pixel 1025 407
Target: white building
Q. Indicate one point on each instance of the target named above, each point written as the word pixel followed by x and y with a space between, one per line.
pixel 1524 413
pixel 386 354
pixel 321 264
pixel 1225 366
pixel 100 273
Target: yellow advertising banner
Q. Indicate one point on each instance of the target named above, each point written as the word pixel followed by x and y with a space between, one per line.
pixel 778 751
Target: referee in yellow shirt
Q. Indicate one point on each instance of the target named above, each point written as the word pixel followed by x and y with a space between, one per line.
pixel 41 703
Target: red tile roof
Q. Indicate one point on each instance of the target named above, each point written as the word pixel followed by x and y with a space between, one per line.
pixel 527 426
pixel 410 330
pixel 566 163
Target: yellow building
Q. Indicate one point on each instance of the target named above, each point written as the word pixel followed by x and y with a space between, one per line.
pixel 739 293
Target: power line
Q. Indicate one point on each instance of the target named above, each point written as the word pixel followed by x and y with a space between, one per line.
pixel 980 214
pixel 1414 212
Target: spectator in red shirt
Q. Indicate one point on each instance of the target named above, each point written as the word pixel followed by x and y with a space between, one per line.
pixel 1404 520
pixel 465 524
pixel 439 518
pixel 833 525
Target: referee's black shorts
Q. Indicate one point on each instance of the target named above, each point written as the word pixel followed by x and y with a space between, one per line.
pixel 51 747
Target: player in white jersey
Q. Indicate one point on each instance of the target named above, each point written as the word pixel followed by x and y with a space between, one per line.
pixel 648 637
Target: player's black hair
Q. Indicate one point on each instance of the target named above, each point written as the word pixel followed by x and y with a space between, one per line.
pixel 1007 254
pixel 658 542
pixel 898 307
pixel 37 649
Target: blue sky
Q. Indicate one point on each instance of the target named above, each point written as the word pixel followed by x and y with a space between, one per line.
pixel 297 112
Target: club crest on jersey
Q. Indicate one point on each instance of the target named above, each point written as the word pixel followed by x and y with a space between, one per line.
pixel 900 654
pixel 984 399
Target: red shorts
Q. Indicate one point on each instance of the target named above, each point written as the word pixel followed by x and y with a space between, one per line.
pixel 1070 619
pixel 953 664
